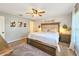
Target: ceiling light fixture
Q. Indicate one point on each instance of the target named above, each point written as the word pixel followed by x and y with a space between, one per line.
pixel 36 12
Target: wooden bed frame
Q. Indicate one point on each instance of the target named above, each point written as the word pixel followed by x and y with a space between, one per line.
pixel 40 45
pixel 43 47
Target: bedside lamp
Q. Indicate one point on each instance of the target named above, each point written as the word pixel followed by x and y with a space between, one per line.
pixel 65 27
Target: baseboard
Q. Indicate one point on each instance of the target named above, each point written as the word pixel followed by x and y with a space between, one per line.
pixel 18 42
pixel 76 53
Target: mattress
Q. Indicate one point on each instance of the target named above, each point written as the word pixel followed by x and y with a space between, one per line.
pixel 49 38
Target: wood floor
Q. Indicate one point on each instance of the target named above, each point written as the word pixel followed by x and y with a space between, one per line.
pixel 28 50
pixel 65 51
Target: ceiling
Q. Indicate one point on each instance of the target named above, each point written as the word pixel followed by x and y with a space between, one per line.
pixel 52 9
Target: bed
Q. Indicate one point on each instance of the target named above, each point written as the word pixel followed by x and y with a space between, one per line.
pixel 48 39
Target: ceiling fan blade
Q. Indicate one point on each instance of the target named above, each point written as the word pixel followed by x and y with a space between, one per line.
pixel 29 13
pixel 42 12
pixel 40 15
pixel 35 11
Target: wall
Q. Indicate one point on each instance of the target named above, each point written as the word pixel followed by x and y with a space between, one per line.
pixel 65 19
pixel 13 33
pixel 2 26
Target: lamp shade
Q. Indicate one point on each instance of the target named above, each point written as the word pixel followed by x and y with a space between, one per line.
pixel 65 26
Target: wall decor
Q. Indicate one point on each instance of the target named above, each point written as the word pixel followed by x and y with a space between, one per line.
pixel 20 23
pixel 65 26
pixel 13 24
pixel 25 25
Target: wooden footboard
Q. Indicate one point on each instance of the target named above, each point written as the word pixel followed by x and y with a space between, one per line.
pixel 43 47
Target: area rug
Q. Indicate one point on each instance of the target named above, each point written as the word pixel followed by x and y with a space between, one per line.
pixel 27 50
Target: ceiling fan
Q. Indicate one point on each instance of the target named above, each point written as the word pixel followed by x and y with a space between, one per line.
pixel 36 12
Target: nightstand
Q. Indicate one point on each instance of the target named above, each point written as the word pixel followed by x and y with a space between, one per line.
pixel 66 38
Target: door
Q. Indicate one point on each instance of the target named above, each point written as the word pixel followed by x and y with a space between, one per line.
pixel 32 26
pixel 2 26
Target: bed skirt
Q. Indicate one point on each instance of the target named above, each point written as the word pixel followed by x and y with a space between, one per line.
pixel 48 49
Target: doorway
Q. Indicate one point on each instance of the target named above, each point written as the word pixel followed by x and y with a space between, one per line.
pixel 2 26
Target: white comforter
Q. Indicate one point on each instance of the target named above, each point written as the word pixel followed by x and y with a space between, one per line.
pixel 50 38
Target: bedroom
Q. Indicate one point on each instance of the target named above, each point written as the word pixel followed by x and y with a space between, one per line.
pixel 38 29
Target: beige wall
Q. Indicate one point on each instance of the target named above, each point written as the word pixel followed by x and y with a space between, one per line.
pixel 14 33
pixel 65 19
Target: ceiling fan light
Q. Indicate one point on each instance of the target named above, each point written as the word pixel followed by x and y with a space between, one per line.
pixel 35 14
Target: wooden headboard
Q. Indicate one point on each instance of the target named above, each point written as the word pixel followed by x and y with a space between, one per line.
pixel 50 27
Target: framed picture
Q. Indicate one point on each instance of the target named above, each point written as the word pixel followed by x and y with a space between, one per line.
pixel 20 23
pixel 13 24
pixel 25 25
